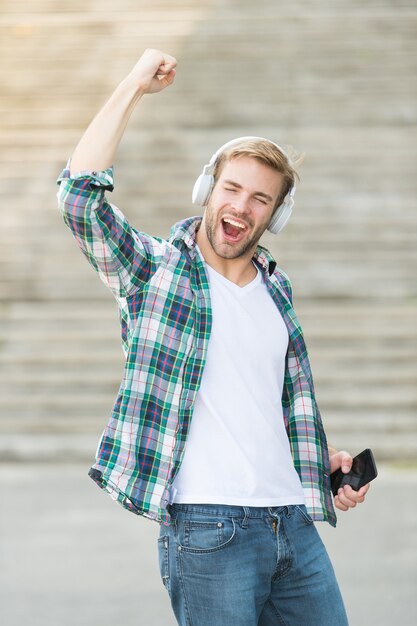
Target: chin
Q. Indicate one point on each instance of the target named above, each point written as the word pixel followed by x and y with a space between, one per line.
pixel 226 250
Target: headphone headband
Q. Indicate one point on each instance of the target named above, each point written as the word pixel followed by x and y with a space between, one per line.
pixel 205 183
pixel 239 140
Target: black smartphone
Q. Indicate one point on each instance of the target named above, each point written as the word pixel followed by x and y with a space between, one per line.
pixel 362 472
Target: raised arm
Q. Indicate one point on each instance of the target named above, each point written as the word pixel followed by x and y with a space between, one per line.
pixel 97 148
pixel 123 257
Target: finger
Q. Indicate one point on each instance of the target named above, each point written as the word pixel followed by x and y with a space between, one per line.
pixel 357 496
pixel 168 64
pixel 364 490
pixel 347 499
pixel 339 505
pixel 164 70
pixel 341 459
pixel 346 462
pixel 351 498
pixel 164 81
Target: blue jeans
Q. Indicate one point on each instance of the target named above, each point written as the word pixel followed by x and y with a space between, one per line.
pixel 247 566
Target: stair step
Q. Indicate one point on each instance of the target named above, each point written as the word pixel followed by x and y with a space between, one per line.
pixel 81 447
pixel 35 402
pixel 343 95
pixel 78 333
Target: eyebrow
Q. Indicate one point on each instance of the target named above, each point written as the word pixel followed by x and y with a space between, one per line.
pixel 257 193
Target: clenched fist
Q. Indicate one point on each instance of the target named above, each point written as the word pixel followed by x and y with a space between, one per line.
pixel 154 71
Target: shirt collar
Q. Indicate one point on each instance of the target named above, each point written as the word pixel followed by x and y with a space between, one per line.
pixel 183 233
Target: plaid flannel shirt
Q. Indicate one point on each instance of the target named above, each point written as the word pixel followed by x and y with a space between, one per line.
pixel 164 302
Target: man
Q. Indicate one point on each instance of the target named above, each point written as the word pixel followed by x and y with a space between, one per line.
pixel 215 432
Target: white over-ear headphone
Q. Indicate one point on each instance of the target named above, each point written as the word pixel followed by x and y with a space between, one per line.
pixel 205 183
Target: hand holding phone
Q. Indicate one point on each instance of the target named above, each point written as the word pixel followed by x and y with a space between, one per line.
pixel 362 472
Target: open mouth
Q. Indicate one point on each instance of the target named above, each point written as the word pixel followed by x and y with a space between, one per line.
pixel 233 230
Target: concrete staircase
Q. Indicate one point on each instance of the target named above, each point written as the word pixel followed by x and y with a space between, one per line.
pixel 336 82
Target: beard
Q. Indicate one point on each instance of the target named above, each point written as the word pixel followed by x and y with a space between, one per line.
pixel 230 250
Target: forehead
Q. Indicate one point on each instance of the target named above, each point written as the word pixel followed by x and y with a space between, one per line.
pixel 252 174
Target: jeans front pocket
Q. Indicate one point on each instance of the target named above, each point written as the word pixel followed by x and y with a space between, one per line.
pixel 206 535
pixel 302 510
pixel 163 553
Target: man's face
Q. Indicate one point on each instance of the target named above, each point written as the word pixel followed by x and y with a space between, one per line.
pixel 241 206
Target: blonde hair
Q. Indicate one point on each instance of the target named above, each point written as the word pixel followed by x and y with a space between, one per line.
pixel 268 153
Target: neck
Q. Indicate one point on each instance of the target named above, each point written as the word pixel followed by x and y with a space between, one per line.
pixel 240 271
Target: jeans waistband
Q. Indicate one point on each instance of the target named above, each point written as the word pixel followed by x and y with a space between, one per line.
pixel 230 510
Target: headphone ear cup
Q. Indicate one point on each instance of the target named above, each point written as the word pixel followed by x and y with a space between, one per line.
pixel 281 217
pixel 202 189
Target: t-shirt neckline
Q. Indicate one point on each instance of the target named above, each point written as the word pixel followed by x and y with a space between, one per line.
pixel 229 283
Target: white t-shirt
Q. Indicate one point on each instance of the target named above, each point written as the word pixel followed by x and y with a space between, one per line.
pixel 237 450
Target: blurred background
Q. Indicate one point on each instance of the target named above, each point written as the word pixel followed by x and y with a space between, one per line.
pixel 334 79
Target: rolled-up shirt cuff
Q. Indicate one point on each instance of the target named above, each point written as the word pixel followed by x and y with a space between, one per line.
pixel 103 178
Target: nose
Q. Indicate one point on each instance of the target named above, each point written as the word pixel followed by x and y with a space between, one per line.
pixel 241 203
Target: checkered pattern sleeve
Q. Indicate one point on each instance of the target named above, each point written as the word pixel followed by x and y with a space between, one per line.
pixel 286 285
pixel 123 257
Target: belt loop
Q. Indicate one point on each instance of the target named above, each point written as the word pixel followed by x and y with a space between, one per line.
pixel 245 519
